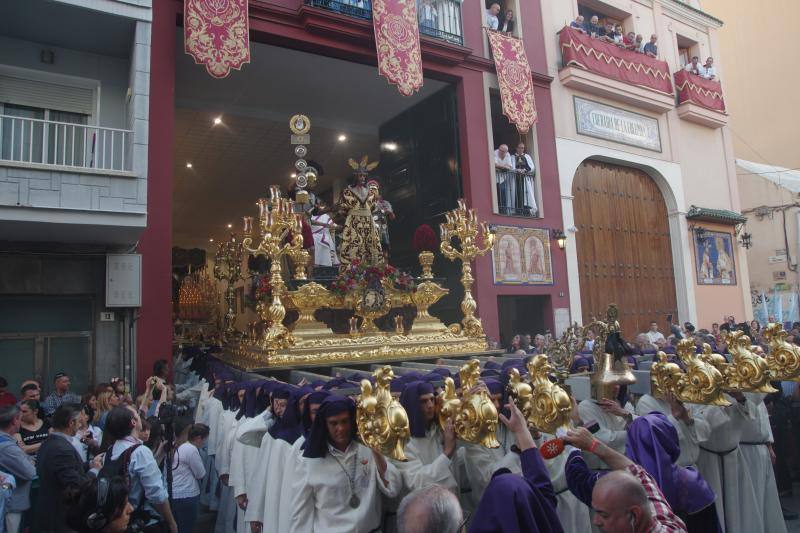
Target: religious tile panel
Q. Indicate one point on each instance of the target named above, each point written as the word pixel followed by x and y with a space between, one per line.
pixel 521 256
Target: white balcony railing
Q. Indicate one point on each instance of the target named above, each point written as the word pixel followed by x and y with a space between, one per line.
pixel 47 142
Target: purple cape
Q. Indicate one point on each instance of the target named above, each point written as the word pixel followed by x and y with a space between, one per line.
pixel 653 443
pixel 516 504
pixel 409 399
pixel 248 408
pixel 317 443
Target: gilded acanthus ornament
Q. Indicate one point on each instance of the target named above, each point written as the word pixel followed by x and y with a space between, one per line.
pixel 475 239
pixel 783 359
pixel 474 415
pixel 551 404
pixel 520 393
pixel 701 383
pixel 747 372
pixel 382 422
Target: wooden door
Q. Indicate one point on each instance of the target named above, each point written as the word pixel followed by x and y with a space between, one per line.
pixel 624 253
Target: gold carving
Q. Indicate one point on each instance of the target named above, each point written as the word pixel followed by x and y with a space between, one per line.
pixel 783 359
pixel 474 415
pixel 228 267
pixel 382 421
pixel 701 383
pixel 551 404
pixel 748 372
pixel 463 224
pixel 610 369
pixel 299 124
pixel 521 393
pixel 426 262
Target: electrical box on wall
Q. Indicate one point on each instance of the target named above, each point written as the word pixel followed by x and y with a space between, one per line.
pixel 123 280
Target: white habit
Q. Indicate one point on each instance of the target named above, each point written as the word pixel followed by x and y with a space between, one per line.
pixel 323 503
pixel 756 434
pixel 722 465
pixel 612 430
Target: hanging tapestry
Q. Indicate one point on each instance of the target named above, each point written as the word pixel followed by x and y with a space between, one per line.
pixel 397 43
pixel 216 33
pixel 514 77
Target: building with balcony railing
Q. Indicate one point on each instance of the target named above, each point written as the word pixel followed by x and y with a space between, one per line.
pixel 74 119
pixel 640 140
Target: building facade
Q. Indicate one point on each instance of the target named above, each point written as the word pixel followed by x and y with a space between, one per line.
pixel 648 179
pixel 74 125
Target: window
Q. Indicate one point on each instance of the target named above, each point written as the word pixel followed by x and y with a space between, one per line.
pixel 37 135
pixel 686 49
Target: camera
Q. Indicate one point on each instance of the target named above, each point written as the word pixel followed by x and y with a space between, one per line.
pixel 169 412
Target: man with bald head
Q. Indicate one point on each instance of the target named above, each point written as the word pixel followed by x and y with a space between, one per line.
pixel 625 499
pixel 433 509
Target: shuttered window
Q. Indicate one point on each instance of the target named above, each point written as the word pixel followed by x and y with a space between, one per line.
pixel 45 95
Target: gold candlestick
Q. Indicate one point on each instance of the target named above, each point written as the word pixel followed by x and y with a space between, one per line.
pixel 276 221
pixel 228 267
pixel 475 239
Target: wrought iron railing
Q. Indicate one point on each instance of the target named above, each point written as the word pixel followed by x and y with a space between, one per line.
pixel 440 19
pixel 48 142
pixel 516 191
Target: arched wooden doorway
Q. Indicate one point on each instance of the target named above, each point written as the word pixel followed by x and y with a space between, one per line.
pixel 623 246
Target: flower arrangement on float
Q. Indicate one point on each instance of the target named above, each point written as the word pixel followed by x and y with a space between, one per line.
pixel 357 277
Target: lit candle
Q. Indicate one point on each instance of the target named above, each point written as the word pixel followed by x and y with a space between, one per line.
pixel 248 225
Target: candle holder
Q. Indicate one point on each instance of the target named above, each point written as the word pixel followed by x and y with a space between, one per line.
pixel 276 223
pixel 228 267
pixel 474 239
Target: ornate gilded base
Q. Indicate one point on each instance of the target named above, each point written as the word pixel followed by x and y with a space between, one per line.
pixel 346 349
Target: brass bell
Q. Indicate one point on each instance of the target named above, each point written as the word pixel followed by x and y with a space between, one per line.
pixel 610 371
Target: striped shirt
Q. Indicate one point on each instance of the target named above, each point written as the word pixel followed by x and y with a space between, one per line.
pixel 664 519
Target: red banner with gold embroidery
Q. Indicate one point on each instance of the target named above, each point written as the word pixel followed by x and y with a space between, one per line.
pixel 515 80
pixel 611 61
pixel 216 33
pixel 397 42
pixel 697 90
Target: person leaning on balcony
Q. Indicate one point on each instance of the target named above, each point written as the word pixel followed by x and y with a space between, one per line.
pixel 610 35
pixel 629 40
pixel 594 29
pixel 636 46
pixel 694 67
pixel 579 24
pixel 651 48
pixel 507 24
pixel 490 20
pixel 506 187
pixel 708 71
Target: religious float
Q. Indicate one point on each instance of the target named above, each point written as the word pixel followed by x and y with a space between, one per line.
pixel 366 289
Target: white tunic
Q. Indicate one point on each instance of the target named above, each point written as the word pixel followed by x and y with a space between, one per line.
pixel 226 515
pixel 243 457
pixel 427 464
pixel 324 245
pixel 257 481
pixel 687 434
pixel 612 430
pixel 722 465
pixel 214 407
pixel 755 434
pixel 322 505
pixel 481 462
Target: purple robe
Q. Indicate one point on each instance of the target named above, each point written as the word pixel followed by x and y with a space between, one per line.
pixel 514 504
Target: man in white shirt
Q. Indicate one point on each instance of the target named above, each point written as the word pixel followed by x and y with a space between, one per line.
pixel 694 66
pixel 506 182
pixel 342 479
pixel 491 21
pixel 708 71
pixel 653 335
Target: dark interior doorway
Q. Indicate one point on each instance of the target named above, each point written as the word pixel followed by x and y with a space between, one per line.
pixel 521 315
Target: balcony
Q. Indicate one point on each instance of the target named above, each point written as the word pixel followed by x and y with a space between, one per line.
pixel 49 144
pixel 700 100
pixel 604 69
pixel 516 193
pixel 442 21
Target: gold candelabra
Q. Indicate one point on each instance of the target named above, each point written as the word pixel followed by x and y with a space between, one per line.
pixel 280 234
pixel 228 267
pixel 475 239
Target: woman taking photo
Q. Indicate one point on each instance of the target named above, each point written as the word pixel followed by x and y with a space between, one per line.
pixel 33 430
pixel 187 471
pixel 106 512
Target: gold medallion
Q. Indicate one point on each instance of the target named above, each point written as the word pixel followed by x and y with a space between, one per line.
pixel 299 124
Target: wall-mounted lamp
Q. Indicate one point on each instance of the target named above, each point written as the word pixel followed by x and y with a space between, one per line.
pixel 746 240
pixel 560 238
pixel 699 234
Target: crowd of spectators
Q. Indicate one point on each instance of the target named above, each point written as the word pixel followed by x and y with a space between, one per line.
pixel 55 452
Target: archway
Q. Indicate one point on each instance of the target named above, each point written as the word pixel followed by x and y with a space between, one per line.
pixel 623 245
